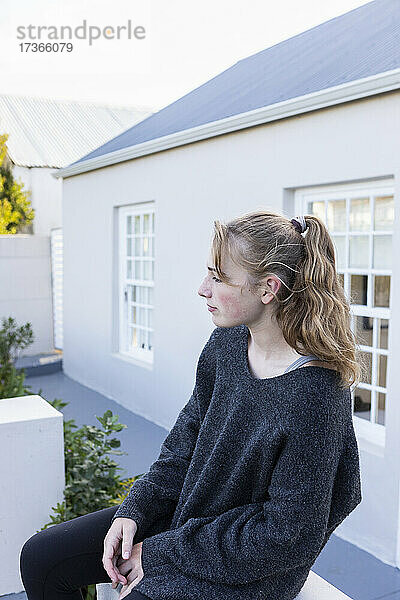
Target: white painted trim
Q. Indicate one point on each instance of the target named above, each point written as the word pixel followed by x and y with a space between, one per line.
pixel 346 92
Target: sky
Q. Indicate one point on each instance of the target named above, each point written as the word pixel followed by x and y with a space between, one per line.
pixel 179 44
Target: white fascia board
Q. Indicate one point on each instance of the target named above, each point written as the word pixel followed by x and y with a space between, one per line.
pixel 346 92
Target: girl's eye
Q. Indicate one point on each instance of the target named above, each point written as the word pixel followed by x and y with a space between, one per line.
pixel 217 280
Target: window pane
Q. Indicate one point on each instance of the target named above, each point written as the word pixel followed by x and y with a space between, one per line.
pixel 384 212
pixel 151 296
pixel 317 208
pixel 382 257
pixel 137 269
pixel 152 222
pixel 382 370
pixel 358 289
pixel 129 269
pixel 366 359
pixel 381 290
pixel 146 246
pixel 150 314
pixel 360 214
pixel 137 246
pixel 340 248
pixel 359 251
pixel 362 403
pixel 137 224
pixel 383 333
pixel 363 330
pixel 129 225
pixel 337 215
pixel 381 398
pixel 150 340
pixel 129 247
pixel 146 223
pixel 133 314
pixel 147 270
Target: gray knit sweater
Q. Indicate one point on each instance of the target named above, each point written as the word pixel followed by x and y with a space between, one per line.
pixel 250 482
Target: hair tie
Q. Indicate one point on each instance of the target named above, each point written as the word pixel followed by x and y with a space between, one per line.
pixel 299 224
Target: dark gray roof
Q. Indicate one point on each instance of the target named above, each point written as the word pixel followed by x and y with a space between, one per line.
pixel 358 44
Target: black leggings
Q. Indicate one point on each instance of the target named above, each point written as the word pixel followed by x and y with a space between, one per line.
pixel 56 562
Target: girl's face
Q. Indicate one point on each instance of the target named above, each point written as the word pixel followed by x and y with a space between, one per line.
pixel 235 305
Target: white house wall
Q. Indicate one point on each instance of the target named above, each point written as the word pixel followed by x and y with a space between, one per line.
pixel 46 196
pixel 192 185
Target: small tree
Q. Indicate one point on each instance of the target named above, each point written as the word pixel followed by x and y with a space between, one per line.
pixel 16 211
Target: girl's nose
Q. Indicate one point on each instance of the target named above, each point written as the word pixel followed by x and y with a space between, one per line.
pixel 204 289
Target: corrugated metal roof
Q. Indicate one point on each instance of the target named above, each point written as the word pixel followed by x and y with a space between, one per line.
pixel 53 133
pixel 362 42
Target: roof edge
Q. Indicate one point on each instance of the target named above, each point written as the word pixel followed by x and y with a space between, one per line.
pixel 345 92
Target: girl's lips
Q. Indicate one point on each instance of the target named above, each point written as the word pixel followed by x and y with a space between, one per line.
pixel 211 308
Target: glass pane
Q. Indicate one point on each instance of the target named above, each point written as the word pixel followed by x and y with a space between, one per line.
pixel 381 290
pixel 337 215
pixel 133 314
pixel 150 340
pixel 152 246
pixel 129 225
pixel 381 398
pixel 383 333
pixel 358 289
pixel 152 270
pixel 152 222
pixel 137 224
pixel 362 403
pixel 140 294
pixel 129 269
pixel 150 314
pixel 151 296
pixel 360 214
pixel 340 250
pixel 317 208
pixel 366 360
pixel 145 246
pixel 141 316
pixel 137 269
pixel 384 212
pixel 129 247
pixel 147 270
pixel 382 252
pixel 137 246
pixel 146 223
pixel 134 337
pixel 382 370
pixel 363 330
pixel 359 251
pixel 133 288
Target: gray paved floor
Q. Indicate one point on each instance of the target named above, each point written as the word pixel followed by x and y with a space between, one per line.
pixel 353 571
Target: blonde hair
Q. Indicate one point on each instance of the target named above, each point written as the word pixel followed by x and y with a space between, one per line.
pixel 310 306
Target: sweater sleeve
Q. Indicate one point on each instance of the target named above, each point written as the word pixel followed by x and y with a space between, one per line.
pixel 154 496
pixel 251 542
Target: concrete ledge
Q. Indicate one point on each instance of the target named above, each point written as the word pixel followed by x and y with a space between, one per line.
pixel 315 588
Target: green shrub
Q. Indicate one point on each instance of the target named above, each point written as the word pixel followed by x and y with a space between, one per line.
pixel 91 479
pixel 12 340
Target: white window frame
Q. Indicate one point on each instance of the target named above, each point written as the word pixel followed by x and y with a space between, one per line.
pixel 369 431
pixel 125 285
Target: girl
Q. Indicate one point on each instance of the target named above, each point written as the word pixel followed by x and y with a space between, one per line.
pixel 262 463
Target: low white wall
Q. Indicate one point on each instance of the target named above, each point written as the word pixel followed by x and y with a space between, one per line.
pixel 315 588
pixel 31 437
pixel 25 289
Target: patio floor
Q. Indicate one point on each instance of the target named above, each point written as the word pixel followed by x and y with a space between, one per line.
pixel 353 571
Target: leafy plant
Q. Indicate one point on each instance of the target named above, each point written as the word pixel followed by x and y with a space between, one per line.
pixel 91 479
pixel 12 340
pixel 16 212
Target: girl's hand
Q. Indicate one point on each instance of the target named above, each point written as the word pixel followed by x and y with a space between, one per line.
pixel 132 569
